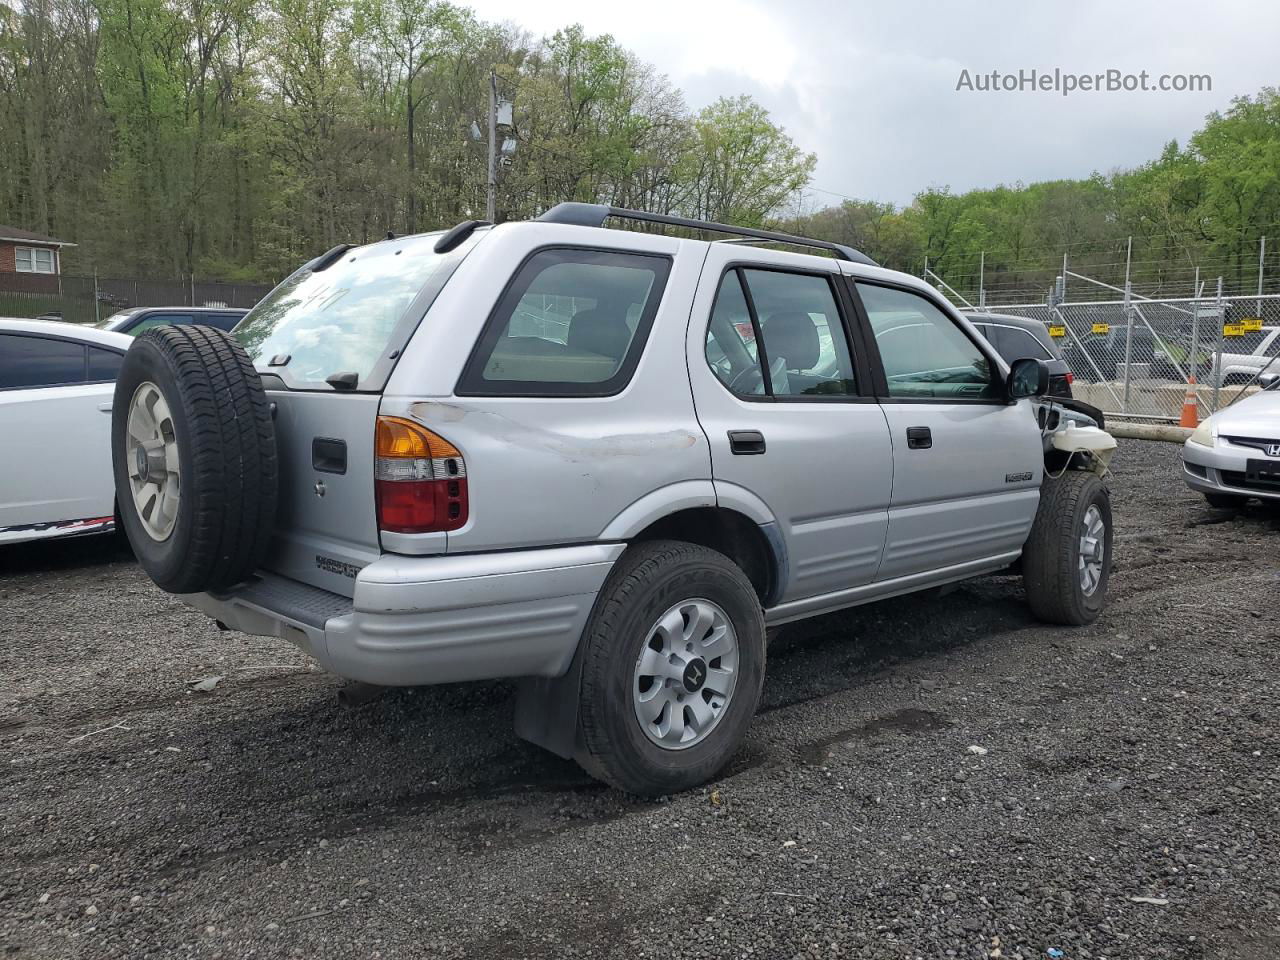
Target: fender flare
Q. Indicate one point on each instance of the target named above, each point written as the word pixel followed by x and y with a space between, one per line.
pixel 656 504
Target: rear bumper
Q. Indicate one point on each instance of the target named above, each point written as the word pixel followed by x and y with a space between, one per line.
pixel 1222 469
pixel 423 620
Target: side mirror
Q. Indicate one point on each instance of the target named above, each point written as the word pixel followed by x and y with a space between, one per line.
pixel 1028 377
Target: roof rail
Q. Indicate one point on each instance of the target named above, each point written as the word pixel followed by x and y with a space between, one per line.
pixel 595 214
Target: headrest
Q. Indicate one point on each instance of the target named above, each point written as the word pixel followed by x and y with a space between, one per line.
pixel 598 331
pixel 793 336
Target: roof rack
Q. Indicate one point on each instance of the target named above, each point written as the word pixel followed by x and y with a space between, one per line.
pixel 595 214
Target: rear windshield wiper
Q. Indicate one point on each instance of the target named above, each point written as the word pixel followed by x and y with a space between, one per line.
pixel 344 380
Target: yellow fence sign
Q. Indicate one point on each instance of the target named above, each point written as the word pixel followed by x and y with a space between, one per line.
pixel 1102 328
pixel 1251 323
pixel 1057 331
pixel 1233 330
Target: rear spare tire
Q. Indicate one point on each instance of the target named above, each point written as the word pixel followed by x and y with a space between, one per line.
pixel 194 458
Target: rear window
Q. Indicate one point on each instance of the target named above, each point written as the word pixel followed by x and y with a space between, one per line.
pixel 342 319
pixel 1015 343
pixel 572 323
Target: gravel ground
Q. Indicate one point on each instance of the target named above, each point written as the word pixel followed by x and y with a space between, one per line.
pixel 1137 758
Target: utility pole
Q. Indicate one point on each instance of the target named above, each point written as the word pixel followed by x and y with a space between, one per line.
pixel 490 206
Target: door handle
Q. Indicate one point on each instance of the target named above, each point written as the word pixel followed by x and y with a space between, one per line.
pixel 746 443
pixel 104 407
pixel 919 438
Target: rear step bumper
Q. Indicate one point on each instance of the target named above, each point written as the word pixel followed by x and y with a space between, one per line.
pixel 423 620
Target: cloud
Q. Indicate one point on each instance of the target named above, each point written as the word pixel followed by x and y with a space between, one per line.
pixel 870 87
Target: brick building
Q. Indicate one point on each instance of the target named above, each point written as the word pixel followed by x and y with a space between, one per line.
pixel 29 261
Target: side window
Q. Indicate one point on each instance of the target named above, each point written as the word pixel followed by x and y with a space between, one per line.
pixel 572 323
pixel 39 362
pixel 1014 343
pixel 104 365
pixel 924 353
pixel 787 340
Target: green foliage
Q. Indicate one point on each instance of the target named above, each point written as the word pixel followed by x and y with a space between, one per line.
pixel 235 138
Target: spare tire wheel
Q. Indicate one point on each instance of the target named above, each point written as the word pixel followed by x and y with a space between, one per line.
pixel 194 458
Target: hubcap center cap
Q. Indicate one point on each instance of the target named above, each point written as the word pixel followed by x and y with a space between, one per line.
pixel 144 465
pixel 695 674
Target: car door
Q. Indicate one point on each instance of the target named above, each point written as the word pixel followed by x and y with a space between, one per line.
pixel 966 463
pixel 784 398
pixel 56 427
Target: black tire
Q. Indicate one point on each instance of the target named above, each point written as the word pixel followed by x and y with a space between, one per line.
pixel 1051 558
pixel 1225 501
pixel 648 580
pixel 226 450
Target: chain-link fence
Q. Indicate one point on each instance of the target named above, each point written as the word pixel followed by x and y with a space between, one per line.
pixel 1134 358
pixel 89 299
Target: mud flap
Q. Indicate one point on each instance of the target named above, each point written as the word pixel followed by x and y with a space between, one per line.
pixel 547 709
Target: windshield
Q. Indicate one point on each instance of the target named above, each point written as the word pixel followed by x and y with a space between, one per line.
pixel 341 319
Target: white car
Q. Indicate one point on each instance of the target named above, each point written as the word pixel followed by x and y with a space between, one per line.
pixel 1243 358
pixel 56 385
pixel 1235 454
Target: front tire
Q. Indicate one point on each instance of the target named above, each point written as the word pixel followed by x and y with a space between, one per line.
pixel 1067 559
pixel 673 664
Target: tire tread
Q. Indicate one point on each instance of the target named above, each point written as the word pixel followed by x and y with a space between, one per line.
pixel 234 472
pixel 638 567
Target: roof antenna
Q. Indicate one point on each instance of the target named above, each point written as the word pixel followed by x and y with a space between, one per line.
pixel 391 235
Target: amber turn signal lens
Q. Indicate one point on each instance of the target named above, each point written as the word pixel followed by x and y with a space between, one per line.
pixel 397 437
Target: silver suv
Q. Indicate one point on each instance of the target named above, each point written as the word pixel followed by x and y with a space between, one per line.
pixel 603 461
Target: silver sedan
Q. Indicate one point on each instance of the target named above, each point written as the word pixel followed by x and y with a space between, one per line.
pixel 1235 454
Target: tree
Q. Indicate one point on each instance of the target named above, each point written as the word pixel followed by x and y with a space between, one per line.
pixel 413 35
pixel 742 166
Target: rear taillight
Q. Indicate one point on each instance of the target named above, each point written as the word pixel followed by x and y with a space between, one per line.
pixel 1071 378
pixel 420 479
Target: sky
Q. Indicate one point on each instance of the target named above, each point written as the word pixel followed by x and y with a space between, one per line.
pixel 871 87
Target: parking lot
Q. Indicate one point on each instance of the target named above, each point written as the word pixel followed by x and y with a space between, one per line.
pixel 1122 801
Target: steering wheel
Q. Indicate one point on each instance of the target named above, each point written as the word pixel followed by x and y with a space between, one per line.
pixel 748 382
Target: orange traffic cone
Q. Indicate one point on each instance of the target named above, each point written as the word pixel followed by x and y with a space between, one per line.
pixel 1190 414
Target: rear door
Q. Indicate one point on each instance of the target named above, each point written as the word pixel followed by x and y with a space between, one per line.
pixel 45 393
pixel 325 342
pixel 966 464
pixel 782 393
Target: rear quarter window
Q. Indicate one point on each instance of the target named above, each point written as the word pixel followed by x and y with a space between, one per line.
pixel 1015 343
pixel 573 322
